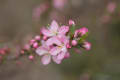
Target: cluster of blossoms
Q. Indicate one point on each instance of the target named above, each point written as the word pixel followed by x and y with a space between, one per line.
pixel 54 42
pixel 3 53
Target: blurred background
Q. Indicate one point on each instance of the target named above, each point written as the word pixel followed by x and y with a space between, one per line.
pixel 22 19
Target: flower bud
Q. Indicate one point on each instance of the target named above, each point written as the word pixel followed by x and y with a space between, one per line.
pixel 44 37
pixel 71 22
pixel 31 57
pixel 87 45
pixel 83 31
pixel 74 42
pixel 35 45
pixel 37 37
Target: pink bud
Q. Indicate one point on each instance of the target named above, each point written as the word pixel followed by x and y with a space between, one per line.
pixel 22 52
pixel 83 31
pixel 71 22
pixel 87 45
pixel 35 45
pixel 27 47
pixel 68 46
pixel 32 41
pixel 74 42
pixel 37 37
pixel 76 33
pixel 44 37
pixel 2 52
pixel 31 57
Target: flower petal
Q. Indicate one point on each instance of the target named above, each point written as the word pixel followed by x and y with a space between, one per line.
pixel 55 51
pixel 61 56
pixel 54 26
pixel 46 32
pixel 63 30
pixel 46 59
pixel 41 51
pixel 56 60
pixel 67 55
pixel 53 40
pixel 64 39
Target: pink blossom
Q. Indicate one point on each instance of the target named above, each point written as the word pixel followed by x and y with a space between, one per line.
pixel 31 57
pixel 32 41
pixel 87 45
pixel 37 37
pixel 74 42
pixel 35 45
pixel 61 49
pixel 54 30
pixel 111 7
pixel 68 45
pixel 59 4
pixel 71 22
pixel 45 52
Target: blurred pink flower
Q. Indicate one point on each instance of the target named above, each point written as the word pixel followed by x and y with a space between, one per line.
pixel 31 57
pixel 111 7
pixel 39 10
pixel 105 18
pixel 59 4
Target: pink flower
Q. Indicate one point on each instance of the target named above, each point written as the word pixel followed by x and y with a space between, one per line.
pixel 60 49
pixel 54 30
pixel 74 42
pixel 71 22
pixel 45 52
pixel 87 45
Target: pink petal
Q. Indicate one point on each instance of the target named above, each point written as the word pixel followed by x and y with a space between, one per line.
pixel 56 60
pixel 46 32
pixel 54 26
pixel 64 39
pixel 55 51
pixel 63 30
pixel 61 56
pixel 46 59
pixel 53 40
pixel 41 51
pixel 67 55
